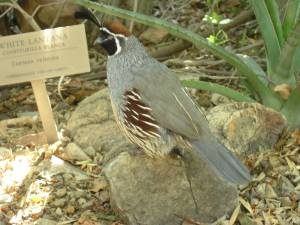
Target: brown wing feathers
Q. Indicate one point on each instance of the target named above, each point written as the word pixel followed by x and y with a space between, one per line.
pixel 137 115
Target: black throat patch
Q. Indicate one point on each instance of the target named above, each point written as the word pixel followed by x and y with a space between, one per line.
pixel 110 45
pixel 113 45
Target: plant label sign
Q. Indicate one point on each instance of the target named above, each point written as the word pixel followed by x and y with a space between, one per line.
pixel 38 55
pixel 43 54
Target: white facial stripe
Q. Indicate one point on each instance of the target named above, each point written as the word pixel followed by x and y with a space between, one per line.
pixel 111 33
pixel 106 30
pixel 119 48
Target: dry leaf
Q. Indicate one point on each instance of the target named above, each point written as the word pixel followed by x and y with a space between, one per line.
pixel 234 215
pixel 296 136
pixel 284 90
pixel 246 205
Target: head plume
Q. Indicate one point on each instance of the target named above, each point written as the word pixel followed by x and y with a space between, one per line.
pixel 86 14
pixel 113 26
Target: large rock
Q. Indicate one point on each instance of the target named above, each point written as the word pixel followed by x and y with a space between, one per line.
pixel 157 192
pixel 246 128
pixel 154 192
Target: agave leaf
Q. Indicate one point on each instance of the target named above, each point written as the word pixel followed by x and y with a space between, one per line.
pixel 216 88
pixel 291 109
pixel 291 16
pixel 269 30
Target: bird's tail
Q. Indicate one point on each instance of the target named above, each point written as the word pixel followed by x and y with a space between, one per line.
pixel 222 161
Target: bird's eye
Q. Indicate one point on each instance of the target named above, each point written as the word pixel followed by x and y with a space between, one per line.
pixel 104 34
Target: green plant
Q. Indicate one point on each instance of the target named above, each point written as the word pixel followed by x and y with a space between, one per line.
pixel 281 41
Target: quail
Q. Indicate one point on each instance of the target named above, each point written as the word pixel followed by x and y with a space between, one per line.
pixel 153 109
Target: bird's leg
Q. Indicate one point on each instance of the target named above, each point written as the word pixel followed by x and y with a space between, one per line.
pixel 185 159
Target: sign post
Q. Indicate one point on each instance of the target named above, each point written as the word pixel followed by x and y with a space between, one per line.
pixel 45 110
pixel 43 54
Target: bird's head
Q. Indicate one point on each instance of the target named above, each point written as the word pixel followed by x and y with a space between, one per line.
pixel 112 34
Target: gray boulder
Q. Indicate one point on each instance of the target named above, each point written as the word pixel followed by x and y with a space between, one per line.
pixel 157 192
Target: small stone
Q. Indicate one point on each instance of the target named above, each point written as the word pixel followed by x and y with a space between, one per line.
pixel 4 153
pixel 58 211
pixel 68 177
pixel 74 152
pixel 99 185
pixel 88 204
pixel 61 192
pixel 81 201
pixel 59 202
pixel 104 196
pixel 69 209
pixel 77 194
pixel 90 151
pixel 218 99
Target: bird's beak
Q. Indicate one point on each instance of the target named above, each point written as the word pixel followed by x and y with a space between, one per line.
pixel 99 40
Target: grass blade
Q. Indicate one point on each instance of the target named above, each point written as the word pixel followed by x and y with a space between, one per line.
pixel 216 88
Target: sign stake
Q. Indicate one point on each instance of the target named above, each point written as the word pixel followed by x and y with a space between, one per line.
pixel 44 107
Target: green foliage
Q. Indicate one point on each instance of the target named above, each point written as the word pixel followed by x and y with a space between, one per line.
pixel 269 31
pixel 216 88
pixel 281 43
pixel 291 16
pixel 214 18
pixel 282 40
pixel 219 38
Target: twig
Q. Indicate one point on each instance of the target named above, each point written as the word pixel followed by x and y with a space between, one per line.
pixel 135 8
pixel 43 6
pixel 28 17
pixel 248 47
pixel 58 14
pixel 6 4
pixel 6 11
pixel 59 88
